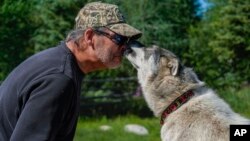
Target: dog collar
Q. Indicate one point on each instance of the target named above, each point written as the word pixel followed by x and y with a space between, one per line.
pixel 176 104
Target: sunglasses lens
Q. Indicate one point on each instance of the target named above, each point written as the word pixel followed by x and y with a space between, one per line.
pixel 120 40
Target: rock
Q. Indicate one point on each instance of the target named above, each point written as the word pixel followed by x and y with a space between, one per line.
pixel 105 127
pixel 136 129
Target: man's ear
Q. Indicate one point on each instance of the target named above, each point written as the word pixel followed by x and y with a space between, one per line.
pixel 173 64
pixel 88 36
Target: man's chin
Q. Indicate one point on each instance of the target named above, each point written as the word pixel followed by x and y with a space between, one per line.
pixel 112 63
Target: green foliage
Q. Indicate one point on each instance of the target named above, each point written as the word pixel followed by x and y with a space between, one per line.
pixel 56 20
pixel 113 105
pixel 42 24
pixel 15 32
pixel 219 45
pixel 164 23
pixel 27 27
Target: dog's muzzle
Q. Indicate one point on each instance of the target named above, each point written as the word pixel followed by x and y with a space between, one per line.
pixel 132 44
pixel 135 43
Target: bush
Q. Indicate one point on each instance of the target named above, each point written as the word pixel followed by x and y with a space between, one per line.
pixel 15 32
pixel 135 106
pixel 220 47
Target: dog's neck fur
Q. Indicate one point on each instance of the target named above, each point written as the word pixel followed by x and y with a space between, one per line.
pixel 173 86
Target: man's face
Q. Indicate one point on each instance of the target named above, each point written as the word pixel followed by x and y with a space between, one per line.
pixel 110 47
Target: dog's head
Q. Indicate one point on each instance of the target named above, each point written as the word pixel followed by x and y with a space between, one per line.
pixel 160 67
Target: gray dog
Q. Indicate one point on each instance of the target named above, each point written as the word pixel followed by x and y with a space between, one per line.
pixel 189 111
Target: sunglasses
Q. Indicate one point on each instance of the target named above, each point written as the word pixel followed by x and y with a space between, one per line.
pixel 116 38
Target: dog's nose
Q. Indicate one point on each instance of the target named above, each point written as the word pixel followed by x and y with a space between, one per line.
pixel 135 43
pixel 128 50
pixel 132 44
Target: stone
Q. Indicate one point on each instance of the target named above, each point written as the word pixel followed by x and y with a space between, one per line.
pixel 105 127
pixel 136 129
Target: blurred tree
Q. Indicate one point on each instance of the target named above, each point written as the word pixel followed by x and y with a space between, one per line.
pixel 220 45
pixel 163 22
pixel 15 33
pixel 27 27
pixel 54 19
pixel 47 22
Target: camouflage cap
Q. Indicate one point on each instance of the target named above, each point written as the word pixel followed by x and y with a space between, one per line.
pixel 97 14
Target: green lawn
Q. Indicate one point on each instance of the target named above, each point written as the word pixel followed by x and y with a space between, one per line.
pixel 238 100
pixel 88 129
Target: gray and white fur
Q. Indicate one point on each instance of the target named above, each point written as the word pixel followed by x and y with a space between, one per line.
pixel 205 117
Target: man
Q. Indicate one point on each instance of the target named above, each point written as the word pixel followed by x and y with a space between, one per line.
pixel 39 100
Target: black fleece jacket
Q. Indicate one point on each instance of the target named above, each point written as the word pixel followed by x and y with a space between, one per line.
pixel 39 100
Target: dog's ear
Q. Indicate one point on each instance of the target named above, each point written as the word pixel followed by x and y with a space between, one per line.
pixel 173 64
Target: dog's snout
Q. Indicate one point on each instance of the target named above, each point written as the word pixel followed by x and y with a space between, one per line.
pixel 128 50
pixel 132 44
pixel 135 43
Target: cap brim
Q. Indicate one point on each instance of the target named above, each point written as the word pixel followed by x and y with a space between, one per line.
pixel 125 30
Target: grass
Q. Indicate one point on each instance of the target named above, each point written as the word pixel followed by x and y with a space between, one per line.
pixel 88 129
pixel 238 100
